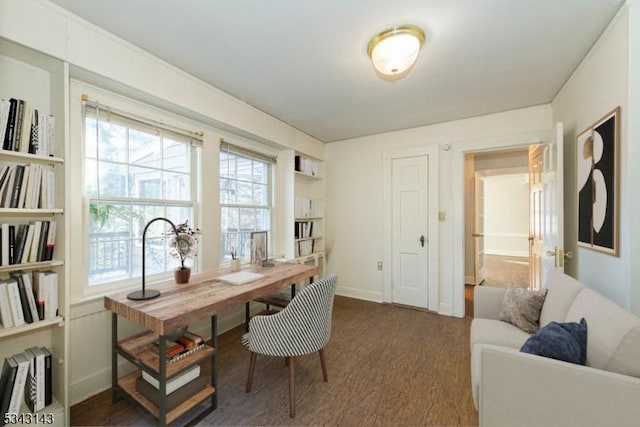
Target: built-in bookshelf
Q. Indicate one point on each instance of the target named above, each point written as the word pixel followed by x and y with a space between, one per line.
pixel 33 114
pixel 308 210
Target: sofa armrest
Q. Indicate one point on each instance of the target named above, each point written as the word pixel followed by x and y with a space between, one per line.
pixel 487 302
pixel 526 390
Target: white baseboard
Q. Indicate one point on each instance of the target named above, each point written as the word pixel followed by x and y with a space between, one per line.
pixel 445 309
pixel 346 291
pixel 501 252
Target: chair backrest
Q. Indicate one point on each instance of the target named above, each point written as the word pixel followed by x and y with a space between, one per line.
pixel 302 327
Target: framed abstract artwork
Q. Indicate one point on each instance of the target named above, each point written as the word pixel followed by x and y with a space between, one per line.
pixel 259 247
pixel 597 153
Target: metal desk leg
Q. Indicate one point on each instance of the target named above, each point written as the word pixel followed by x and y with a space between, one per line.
pixel 247 316
pixel 214 361
pixel 115 395
pixel 162 389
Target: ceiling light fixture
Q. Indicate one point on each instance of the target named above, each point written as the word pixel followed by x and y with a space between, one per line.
pixel 395 51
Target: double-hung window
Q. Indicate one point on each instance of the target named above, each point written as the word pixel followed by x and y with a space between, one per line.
pixel 134 171
pixel 246 198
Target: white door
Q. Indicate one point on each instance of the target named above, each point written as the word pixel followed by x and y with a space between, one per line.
pixel 478 230
pixel 546 180
pixel 410 241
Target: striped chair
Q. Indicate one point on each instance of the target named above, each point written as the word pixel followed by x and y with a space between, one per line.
pixel 302 327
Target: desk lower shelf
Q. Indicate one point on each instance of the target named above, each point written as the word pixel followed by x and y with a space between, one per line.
pixel 128 385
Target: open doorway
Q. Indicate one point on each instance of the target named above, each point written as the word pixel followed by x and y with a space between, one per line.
pixel 497 218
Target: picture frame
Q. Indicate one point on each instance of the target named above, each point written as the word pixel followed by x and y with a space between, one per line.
pixel 597 184
pixel 259 247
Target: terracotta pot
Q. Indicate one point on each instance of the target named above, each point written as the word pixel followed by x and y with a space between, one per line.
pixel 182 275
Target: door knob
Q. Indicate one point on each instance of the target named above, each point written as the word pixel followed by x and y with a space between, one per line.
pixel 422 241
pixel 551 253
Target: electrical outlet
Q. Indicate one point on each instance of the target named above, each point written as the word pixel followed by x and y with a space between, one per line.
pixel 379 265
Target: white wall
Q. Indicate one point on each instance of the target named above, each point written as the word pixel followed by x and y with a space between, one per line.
pixel 354 200
pixel 600 84
pixel 506 215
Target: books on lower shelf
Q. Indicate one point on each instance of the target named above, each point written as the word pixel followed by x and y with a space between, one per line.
pixel 27 297
pixel 175 382
pixel 26 376
pixel 176 397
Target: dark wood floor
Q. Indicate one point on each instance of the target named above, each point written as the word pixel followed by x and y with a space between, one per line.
pixel 388 366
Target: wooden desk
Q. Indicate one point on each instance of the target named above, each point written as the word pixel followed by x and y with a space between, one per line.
pixel 178 306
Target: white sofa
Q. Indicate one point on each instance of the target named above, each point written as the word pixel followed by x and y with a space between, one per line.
pixel 511 388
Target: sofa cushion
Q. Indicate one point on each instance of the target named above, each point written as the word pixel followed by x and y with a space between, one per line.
pixel 521 307
pixel 563 290
pixel 560 341
pixel 489 331
pixel 614 333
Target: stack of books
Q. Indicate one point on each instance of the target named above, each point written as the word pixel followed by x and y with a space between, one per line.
pixel 26 243
pixel 28 186
pixel 187 344
pixel 27 376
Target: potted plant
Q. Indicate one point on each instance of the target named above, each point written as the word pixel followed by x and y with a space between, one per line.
pixel 183 245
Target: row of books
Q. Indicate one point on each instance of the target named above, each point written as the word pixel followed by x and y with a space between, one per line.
pixel 28 298
pixel 306 165
pixel 26 376
pixel 304 248
pixel 25 243
pixel 305 229
pixel 307 208
pixel 29 186
pixel 26 129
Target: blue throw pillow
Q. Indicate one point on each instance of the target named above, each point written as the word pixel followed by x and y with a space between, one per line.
pixel 561 341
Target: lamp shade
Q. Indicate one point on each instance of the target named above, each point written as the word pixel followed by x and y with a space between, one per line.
pixel 394 51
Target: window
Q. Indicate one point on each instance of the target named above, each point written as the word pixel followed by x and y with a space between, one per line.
pixel 246 198
pixel 134 171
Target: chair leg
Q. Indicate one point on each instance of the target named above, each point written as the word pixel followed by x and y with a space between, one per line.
pixel 292 387
pixel 286 361
pixel 252 367
pixel 323 363
pixel 247 317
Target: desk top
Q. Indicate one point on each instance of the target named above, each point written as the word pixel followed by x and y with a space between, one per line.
pixel 181 304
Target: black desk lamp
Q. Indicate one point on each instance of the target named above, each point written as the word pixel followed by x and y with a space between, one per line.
pixel 153 293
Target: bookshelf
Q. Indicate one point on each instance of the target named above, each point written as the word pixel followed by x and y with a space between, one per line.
pixel 43 82
pixel 308 210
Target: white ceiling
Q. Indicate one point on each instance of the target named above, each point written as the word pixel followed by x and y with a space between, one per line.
pixel 305 62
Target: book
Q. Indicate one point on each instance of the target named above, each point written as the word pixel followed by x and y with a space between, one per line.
pixel 5 188
pixel 5 106
pixel 24 298
pixel 48 376
pixel 26 249
pixel 42 244
pixel 20 238
pixel 33 140
pixel 5 308
pixel 33 252
pixel 45 284
pixel 17 186
pixel 11 122
pixel 25 134
pixel 175 398
pixel 36 380
pixel 17 132
pixel 31 384
pixel 23 188
pixel 4 244
pixel 25 279
pixel 21 379
pixel 175 382
pixel 7 381
pixel 172 348
pixel 14 302
pixel 190 340
pixel 51 241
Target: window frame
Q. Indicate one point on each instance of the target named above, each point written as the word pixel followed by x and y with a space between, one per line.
pixel 81 290
pixel 271 162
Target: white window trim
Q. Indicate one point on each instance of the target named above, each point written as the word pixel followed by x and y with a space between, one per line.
pixel 77 207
